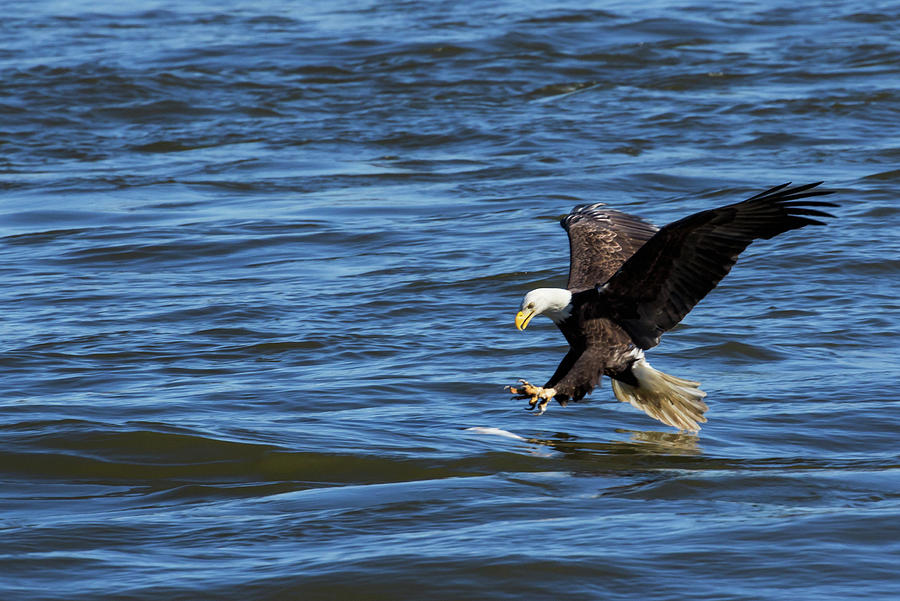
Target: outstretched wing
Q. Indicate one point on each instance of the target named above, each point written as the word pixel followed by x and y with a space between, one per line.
pixel 678 266
pixel 600 241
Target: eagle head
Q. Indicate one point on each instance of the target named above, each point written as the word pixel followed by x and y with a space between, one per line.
pixel 555 303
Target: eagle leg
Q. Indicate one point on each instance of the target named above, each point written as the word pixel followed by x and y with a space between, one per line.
pixel 538 397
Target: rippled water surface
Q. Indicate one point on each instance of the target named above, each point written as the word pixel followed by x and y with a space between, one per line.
pixel 261 262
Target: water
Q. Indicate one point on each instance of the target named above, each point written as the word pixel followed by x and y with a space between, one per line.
pixel 261 263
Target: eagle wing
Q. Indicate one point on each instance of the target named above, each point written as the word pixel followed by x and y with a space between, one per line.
pixel 680 264
pixel 600 241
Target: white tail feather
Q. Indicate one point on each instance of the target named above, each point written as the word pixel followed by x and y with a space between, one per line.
pixel 673 401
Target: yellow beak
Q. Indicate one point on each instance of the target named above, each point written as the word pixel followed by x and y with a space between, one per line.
pixel 522 319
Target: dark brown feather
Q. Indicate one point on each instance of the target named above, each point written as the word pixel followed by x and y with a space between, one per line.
pixel 597 346
pixel 600 241
pixel 663 280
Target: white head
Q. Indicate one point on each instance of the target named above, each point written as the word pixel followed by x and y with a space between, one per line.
pixel 555 303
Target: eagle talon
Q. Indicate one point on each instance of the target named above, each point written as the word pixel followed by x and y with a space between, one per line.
pixel 525 390
pixel 538 396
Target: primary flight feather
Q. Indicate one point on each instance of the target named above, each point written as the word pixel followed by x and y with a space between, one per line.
pixel 629 282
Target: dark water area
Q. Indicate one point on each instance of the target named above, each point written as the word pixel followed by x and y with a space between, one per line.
pixel 261 262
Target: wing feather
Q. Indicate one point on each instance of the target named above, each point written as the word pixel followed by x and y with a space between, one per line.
pixel 600 241
pixel 664 279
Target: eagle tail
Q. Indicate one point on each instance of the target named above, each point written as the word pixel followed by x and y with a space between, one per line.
pixel 673 401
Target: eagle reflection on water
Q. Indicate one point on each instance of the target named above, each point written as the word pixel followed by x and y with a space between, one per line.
pixel 641 442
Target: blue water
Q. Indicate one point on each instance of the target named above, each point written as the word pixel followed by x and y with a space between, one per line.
pixel 261 262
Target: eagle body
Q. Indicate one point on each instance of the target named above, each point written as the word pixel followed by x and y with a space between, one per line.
pixel 597 346
pixel 629 282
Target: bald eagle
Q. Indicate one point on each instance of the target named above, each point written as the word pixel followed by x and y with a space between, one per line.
pixel 629 282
